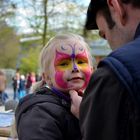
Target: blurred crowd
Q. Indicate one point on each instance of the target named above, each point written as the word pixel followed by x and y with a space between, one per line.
pixel 22 84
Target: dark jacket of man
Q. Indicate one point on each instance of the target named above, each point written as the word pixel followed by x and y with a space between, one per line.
pixel 110 107
pixel 46 116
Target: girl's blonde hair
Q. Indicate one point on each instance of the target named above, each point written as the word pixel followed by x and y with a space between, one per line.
pixel 46 53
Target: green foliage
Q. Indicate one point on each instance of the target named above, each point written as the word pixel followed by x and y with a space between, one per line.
pixel 29 62
pixel 9 46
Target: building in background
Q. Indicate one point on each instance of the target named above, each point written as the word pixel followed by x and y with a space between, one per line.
pixel 100 49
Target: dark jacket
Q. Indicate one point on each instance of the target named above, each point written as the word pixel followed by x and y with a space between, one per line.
pixel 125 64
pixel 108 110
pixel 46 116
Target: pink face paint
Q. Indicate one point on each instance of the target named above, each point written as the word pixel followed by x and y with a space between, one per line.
pixel 59 74
pixel 82 55
pixel 86 69
pixel 61 83
pixel 60 56
pixel 59 79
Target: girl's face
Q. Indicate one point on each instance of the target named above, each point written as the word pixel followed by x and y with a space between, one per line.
pixel 70 67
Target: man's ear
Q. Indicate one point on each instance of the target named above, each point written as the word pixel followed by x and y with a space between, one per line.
pixel 117 11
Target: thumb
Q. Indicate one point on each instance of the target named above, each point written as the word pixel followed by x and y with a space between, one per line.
pixel 73 94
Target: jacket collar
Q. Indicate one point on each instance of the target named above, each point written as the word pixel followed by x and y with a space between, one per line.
pixel 137 31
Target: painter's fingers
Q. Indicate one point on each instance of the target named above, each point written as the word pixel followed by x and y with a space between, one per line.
pixel 75 102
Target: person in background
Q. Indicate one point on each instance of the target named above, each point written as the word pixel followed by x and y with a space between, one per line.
pixel 45 115
pixel 110 107
pixel 38 77
pixel 33 77
pixel 3 94
pixel 16 83
pixel 22 89
pixel 30 80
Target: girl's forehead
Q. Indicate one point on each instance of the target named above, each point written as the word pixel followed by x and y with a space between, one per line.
pixel 70 47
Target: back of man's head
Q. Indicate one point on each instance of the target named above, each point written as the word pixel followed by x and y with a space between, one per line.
pixel 101 5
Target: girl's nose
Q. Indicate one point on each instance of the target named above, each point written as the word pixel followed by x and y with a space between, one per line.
pixel 75 68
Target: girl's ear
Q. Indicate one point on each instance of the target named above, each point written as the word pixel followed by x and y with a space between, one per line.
pixel 43 77
pixel 117 11
pixel 92 69
pixel 47 79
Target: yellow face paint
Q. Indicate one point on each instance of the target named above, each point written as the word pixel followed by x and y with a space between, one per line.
pixel 64 62
pixel 81 62
pixel 64 65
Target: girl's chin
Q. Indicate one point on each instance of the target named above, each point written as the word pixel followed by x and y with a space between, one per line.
pixel 76 88
pixel 71 88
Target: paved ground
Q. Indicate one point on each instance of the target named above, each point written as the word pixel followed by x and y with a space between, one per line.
pixel 9 91
pixel 2 109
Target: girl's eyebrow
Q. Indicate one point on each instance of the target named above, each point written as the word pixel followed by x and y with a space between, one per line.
pixel 82 55
pixel 61 56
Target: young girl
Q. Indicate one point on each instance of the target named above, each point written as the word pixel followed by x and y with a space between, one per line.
pixel 66 65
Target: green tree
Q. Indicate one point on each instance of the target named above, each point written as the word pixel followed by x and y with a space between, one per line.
pixel 52 16
pixel 9 46
pixel 29 62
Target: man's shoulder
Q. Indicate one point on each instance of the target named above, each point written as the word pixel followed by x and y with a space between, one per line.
pixel 103 71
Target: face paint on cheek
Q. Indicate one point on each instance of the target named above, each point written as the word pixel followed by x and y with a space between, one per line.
pixel 87 74
pixel 59 80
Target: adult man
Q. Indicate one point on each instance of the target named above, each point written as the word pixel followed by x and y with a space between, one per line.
pixel 110 108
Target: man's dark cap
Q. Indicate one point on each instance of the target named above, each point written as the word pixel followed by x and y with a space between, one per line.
pixel 94 7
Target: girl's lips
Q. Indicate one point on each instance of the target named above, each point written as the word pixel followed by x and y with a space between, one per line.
pixel 76 78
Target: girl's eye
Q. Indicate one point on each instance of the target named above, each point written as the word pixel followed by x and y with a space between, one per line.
pixel 81 62
pixel 64 64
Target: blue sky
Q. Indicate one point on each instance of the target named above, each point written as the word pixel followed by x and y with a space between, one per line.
pixel 85 2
